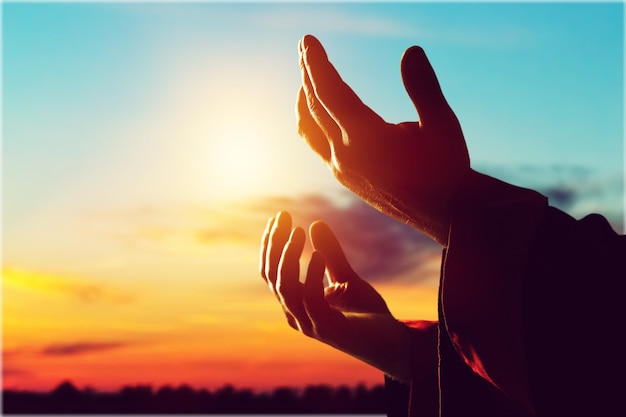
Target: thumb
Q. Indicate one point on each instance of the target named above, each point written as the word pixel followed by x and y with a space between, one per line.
pixel 325 242
pixel 423 87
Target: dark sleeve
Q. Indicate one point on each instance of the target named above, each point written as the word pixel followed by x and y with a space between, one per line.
pixel 479 330
pixel 531 303
pixel 574 312
pixel 534 298
pixel 419 397
pixel 491 231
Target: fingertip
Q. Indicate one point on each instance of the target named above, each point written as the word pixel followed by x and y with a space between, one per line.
pixel 413 58
pixel 324 241
pixel 308 40
pixel 297 235
pixel 423 88
pixel 318 226
pixel 283 217
pixel 320 232
pixel 311 44
pixel 415 49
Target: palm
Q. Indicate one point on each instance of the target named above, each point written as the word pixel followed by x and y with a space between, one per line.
pixel 347 309
pixel 400 159
pixel 348 314
pixel 354 297
pixel 411 170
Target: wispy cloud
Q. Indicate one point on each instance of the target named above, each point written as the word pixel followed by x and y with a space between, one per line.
pixel 367 20
pixel 79 348
pixel 88 292
pixel 178 227
pixel 8 371
pixel 380 248
pixel 330 20
pixel 575 189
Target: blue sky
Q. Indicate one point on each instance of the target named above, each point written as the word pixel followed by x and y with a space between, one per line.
pixel 536 85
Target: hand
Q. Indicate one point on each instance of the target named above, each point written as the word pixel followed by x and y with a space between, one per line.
pixel 349 314
pixel 411 170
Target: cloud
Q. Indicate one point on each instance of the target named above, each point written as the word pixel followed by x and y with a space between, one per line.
pixel 217 235
pixel 331 19
pixel 8 371
pixel 378 247
pixel 368 21
pixel 561 196
pixel 177 228
pixel 44 283
pixel 575 189
pixel 79 348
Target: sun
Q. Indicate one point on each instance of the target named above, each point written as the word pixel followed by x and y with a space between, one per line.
pixel 238 163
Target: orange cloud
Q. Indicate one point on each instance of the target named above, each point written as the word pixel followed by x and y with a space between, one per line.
pixel 379 247
pixel 52 284
pixel 78 348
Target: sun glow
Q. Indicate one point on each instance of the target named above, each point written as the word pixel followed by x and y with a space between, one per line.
pixel 238 163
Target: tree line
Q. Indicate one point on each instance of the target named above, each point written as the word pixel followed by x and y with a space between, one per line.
pixel 183 399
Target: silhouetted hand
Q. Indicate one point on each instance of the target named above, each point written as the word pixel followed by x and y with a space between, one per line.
pixel 411 170
pixel 349 314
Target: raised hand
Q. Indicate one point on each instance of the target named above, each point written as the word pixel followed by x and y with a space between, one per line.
pixel 411 170
pixel 349 314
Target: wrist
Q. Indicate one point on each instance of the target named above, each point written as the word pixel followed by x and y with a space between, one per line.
pixel 380 341
pixel 430 210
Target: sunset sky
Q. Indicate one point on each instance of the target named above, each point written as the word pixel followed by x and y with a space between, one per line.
pixel 145 146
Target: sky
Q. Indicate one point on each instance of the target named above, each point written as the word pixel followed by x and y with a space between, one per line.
pixel 145 146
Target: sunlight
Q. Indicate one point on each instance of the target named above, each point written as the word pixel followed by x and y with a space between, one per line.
pixel 30 281
pixel 238 163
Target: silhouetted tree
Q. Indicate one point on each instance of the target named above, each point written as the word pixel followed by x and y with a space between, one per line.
pixel 319 399
pixel 135 399
pixel 284 400
pixel 344 400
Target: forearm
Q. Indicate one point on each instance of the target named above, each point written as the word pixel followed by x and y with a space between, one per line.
pixel 390 346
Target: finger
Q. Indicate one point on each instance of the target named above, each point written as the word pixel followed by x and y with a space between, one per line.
pixel 420 82
pixel 309 129
pixel 264 244
pixel 339 100
pixel 324 241
pixel 314 300
pixel 289 266
pixel 291 320
pixel 288 286
pixel 318 113
pixel 277 239
pixel 289 270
